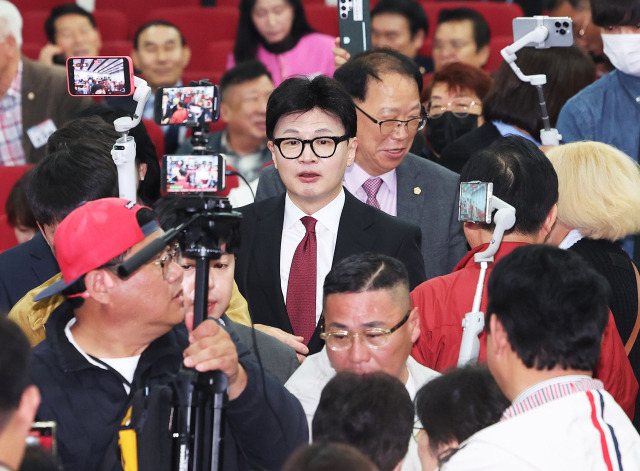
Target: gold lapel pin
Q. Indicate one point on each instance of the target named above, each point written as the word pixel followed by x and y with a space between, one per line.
pixel 417 190
pixel 31 95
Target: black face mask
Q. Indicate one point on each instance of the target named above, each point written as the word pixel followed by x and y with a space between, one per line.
pixel 447 127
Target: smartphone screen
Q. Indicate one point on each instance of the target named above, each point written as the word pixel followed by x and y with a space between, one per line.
pixel 43 435
pixel 193 173
pixel 100 76
pixel 475 202
pixel 189 106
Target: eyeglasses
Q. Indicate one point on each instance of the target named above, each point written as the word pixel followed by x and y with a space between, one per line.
pixel 323 146
pixel 340 340
pixel 417 431
pixel 389 126
pixel 460 107
pixel 173 254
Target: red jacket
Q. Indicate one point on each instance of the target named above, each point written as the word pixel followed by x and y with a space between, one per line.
pixel 443 302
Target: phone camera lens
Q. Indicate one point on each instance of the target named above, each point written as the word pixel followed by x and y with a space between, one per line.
pixel 565 24
pixel 563 32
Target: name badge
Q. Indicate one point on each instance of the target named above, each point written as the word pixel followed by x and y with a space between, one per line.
pixel 39 134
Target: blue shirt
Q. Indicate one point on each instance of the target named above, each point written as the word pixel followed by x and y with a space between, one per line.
pixel 607 111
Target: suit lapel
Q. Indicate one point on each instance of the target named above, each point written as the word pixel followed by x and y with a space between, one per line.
pixel 267 257
pixel 354 232
pixel 410 192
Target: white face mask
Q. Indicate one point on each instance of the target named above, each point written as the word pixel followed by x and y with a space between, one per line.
pixel 623 50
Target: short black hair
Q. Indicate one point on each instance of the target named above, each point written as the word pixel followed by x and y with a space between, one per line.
pixel 17 205
pixel 243 72
pixel 553 306
pixel 62 10
pixel 615 13
pixel 356 74
pixel 365 272
pixel 409 9
pixel 328 456
pixel 149 24
pixel 372 412
pixel 15 373
pixel 481 30
pixel 458 404
pixel 303 94
pixel 77 172
pixel 522 176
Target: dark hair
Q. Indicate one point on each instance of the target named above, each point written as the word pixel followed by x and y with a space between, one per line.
pixel 458 404
pixel 357 72
pixel 17 205
pixel 248 37
pixel 512 101
pixel 328 456
pixel 615 13
pixel 553 306
pixel 461 76
pixel 149 24
pixel 372 412
pixel 481 31
pixel 62 10
pixel 78 171
pixel 365 272
pixel 15 373
pixel 243 72
pixel 303 94
pixel 521 175
pixel 409 9
pixel 149 188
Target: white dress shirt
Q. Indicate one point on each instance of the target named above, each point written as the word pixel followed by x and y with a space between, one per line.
pixel 293 232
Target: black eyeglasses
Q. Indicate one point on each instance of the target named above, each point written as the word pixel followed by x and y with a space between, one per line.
pixel 389 126
pixel 323 146
pixel 375 337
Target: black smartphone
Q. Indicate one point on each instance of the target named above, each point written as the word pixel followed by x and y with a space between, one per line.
pixel 191 105
pixel 354 20
pixel 100 76
pixel 193 173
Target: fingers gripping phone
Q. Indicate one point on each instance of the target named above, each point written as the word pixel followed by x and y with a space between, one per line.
pixel 100 76
pixel 354 20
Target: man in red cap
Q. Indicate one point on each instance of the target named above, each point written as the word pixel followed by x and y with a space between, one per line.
pixel 114 335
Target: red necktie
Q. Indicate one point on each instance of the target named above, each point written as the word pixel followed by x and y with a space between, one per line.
pixel 371 187
pixel 301 290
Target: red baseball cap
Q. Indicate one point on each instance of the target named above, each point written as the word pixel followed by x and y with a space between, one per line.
pixel 93 234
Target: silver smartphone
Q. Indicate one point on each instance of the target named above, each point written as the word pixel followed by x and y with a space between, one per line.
pixel 354 20
pixel 560 30
pixel 475 202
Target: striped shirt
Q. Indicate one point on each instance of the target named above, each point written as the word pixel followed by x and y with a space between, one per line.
pixel 11 150
pixel 548 391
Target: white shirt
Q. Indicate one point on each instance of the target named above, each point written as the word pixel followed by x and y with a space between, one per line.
pixel 387 195
pixel 571 238
pixel 293 232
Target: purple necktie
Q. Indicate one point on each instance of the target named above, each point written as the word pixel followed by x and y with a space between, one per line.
pixel 301 290
pixel 371 187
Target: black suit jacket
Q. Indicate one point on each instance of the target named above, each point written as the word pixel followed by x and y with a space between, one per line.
pixel 456 154
pixel 23 268
pixel 363 228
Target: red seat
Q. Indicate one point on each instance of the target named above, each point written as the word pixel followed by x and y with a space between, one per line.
pixel 33 26
pixel 137 11
pixel 497 14
pixel 31 50
pixel 116 48
pixel 7 236
pixel 323 18
pixel 217 54
pixel 29 5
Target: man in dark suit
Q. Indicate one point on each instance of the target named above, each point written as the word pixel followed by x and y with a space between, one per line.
pixel 290 242
pixel 385 87
pixel 34 98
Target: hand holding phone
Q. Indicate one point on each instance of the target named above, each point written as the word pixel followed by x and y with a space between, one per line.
pixel 99 76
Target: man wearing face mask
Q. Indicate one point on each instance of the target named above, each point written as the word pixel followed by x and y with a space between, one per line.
pixel 454 106
pixel 609 110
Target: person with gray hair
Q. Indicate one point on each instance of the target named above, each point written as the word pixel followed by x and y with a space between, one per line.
pixel 34 100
